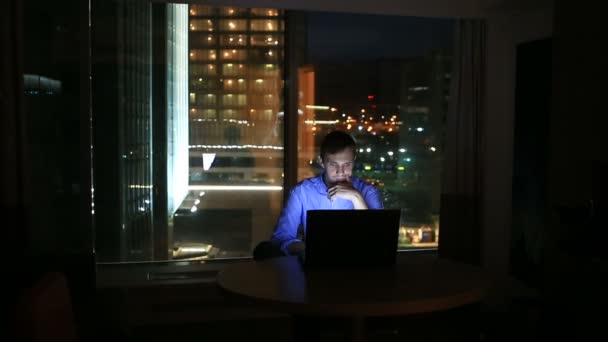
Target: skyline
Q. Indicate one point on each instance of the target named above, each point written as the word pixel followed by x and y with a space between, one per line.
pixel 341 37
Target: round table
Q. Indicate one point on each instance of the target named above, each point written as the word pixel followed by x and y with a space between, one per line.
pixel 414 285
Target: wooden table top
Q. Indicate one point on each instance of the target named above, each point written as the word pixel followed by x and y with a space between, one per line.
pixel 414 285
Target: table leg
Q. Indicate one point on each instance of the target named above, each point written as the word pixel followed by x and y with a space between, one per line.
pixel 358 329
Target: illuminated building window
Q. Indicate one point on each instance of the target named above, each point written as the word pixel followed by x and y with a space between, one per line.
pixel 201 10
pixel 233 25
pixel 266 40
pixel 201 25
pixel 233 40
pixel 266 25
pixel 233 54
pixel 201 55
pixel 198 70
pixel 264 12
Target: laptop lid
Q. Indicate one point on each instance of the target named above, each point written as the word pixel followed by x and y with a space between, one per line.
pixel 351 238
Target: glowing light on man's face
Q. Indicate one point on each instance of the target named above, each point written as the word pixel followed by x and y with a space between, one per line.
pixel 339 166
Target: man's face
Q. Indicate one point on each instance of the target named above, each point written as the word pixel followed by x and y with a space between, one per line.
pixel 339 166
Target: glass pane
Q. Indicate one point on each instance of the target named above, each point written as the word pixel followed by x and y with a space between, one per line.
pixel 188 158
pixel 236 154
pixel 386 83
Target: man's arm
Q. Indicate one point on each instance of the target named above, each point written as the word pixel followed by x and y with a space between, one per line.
pixel 286 232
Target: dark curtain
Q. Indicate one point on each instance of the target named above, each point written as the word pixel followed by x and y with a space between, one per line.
pixel 13 173
pixel 461 182
pixel 13 170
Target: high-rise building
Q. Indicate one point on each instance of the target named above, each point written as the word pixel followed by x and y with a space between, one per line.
pixel 139 134
pixel 235 94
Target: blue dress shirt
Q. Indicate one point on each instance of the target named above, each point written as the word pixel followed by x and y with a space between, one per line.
pixel 311 194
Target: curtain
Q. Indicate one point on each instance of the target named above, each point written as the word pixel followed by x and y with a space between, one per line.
pixel 461 180
pixel 13 198
pixel 12 126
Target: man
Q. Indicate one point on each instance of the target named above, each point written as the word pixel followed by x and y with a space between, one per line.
pixel 334 188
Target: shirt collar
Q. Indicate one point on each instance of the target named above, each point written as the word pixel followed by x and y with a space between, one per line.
pixel 320 183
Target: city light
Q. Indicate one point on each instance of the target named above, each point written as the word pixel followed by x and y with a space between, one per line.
pixel 433 148
pixel 137 186
pixel 321 122
pixel 367 167
pixel 368 150
pixel 317 107
pixel 401 168
pixel 420 129
pixel 390 153
pixel 382 159
pixel 262 147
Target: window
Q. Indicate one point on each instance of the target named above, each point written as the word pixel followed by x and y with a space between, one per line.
pixel 384 84
pixel 188 146
pixel 214 189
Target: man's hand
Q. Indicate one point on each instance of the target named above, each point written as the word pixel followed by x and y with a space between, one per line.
pixel 346 191
pixel 295 248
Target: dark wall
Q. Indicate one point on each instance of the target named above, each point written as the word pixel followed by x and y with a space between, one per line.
pixel 573 277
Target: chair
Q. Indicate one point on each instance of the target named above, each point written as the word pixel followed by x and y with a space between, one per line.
pixel 43 312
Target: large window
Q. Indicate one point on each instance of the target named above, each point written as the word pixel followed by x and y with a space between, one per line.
pixel 188 111
pixel 188 148
pixel 385 80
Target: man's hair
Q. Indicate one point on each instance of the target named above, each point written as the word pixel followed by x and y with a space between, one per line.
pixel 336 141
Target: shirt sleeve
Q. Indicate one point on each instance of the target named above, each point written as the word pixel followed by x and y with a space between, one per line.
pixel 286 231
pixel 372 198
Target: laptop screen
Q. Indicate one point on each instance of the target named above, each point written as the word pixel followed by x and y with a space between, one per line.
pixel 351 237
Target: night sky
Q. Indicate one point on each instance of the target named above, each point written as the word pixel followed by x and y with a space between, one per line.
pixel 338 37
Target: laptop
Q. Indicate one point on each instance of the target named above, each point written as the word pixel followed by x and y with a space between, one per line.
pixel 351 238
